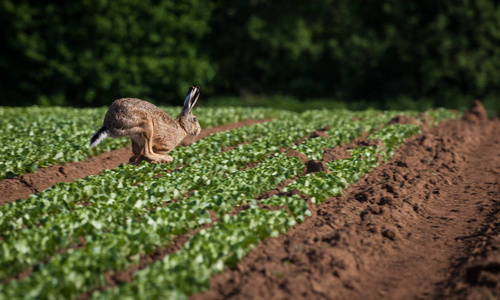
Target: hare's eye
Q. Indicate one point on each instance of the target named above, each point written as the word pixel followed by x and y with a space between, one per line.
pixel 194 120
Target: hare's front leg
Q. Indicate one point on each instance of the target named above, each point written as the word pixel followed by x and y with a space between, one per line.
pixel 149 155
pixel 165 157
pixel 158 158
pixel 162 157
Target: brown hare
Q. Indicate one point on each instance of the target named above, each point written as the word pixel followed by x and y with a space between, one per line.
pixel 152 131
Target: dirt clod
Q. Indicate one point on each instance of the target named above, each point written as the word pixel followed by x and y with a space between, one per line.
pixel 313 166
pixel 390 233
pixel 476 112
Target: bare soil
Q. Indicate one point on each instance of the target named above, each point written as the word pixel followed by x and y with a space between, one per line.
pixel 424 225
pixel 20 187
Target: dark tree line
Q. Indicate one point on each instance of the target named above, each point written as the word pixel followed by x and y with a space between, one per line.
pixel 89 52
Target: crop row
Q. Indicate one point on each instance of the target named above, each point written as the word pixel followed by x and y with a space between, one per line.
pixel 35 137
pixel 320 186
pixel 367 122
pixel 109 246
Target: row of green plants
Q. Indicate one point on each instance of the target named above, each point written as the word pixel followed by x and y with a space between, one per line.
pixel 350 129
pixel 320 186
pixel 36 137
pixel 125 180
pixel 107 212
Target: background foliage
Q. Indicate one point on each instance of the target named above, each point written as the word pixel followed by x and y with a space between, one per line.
pixel 90 52
pixel 390 54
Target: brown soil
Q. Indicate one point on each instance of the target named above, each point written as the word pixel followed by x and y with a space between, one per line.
pixel 23 186
pixel 424 225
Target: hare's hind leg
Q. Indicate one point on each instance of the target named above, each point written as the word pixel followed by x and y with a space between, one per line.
pixel 149 155
pixel 136 147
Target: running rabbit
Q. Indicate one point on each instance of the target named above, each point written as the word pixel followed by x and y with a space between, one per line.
pixel 152 131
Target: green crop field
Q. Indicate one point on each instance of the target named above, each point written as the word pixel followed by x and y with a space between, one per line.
pixel 68 237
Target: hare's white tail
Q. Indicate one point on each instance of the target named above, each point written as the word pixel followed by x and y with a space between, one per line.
pixel 100 135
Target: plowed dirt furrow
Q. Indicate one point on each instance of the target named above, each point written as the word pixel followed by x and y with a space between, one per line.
pixel 399 233
pixel 23 186
pixel 476 272
pixel 424 260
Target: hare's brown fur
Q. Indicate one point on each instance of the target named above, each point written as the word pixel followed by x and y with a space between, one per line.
pixel 152 131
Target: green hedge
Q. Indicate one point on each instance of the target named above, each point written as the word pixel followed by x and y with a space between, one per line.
pixel 390 54
pixel 90 52
pixel 386 54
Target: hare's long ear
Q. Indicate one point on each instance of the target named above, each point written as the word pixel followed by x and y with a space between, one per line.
pixel 190 101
